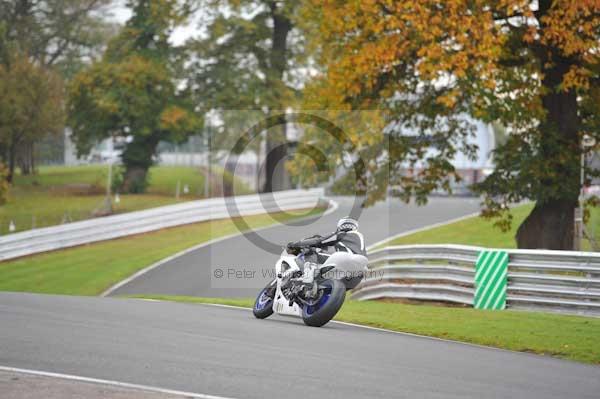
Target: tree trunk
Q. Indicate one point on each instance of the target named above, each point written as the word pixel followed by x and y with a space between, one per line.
pixel 134 179
pixel 25 161
pixel 32 163
pixel 258 168
pixel 548 226
pixel 12 158
pixel 137 158
pixel 228 185
pixel 3 154
pixel 276 176
pixel 551 223
pixel 276 148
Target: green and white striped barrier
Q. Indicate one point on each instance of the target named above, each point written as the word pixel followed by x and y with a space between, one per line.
pixel 485 278
pixel 491 270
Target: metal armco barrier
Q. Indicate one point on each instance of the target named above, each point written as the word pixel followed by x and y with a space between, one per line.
pixel 538 280
pixel 106 228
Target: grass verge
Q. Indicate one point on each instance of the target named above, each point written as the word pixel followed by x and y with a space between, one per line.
pixel 91 269
pixel 567 337
pixel 481 232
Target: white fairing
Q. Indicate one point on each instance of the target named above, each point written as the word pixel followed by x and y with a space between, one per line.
pixel 281 304
pixel 346 264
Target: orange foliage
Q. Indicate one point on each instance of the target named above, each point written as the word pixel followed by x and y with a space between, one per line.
pixel 172 117
pixel 457 41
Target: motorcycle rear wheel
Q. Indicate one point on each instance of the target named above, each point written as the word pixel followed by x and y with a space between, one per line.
pixel 328 306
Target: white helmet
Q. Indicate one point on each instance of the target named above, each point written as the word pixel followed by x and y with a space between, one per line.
pixel 347 224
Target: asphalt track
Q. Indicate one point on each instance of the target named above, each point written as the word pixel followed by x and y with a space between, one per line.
pixel 193 273
pixel 226 352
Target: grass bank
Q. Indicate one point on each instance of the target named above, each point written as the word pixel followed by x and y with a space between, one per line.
pixel 59 194
pixel 567 337
pixel 91 269
pixel 481 232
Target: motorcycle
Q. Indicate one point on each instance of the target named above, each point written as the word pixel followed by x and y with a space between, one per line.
pixel 310 283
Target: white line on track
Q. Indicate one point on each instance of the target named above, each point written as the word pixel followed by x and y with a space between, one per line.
pixel 333 206
pixel 138 387
pixel 420 229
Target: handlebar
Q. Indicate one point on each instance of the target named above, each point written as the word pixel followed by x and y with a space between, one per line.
pixel 307 242
pixel 314 242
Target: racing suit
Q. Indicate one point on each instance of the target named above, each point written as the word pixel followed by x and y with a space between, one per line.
pixel 343 249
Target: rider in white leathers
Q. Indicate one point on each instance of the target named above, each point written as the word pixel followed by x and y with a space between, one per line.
pixel 344 249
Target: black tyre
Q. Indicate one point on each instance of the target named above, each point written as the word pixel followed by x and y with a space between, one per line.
pixel 263 306
pixel 329 304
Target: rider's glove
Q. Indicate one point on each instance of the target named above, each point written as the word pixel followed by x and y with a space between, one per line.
pixel 291 248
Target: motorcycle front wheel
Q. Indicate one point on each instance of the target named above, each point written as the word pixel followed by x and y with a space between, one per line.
pixel 319 314
pixel 263 306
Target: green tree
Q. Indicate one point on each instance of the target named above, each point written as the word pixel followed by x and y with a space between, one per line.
pixel 531 66
pixel 249 61
pixel 31 105
pixel 61 35
pixel 134 92
pixel 57 33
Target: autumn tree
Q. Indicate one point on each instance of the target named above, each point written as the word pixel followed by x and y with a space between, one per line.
pixel 134 91
pixel 31 105
pixel 61 35
pixel 531 66
pixel 248 61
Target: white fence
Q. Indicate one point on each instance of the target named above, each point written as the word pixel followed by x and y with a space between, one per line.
pixel 106 228
pixel 540 280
